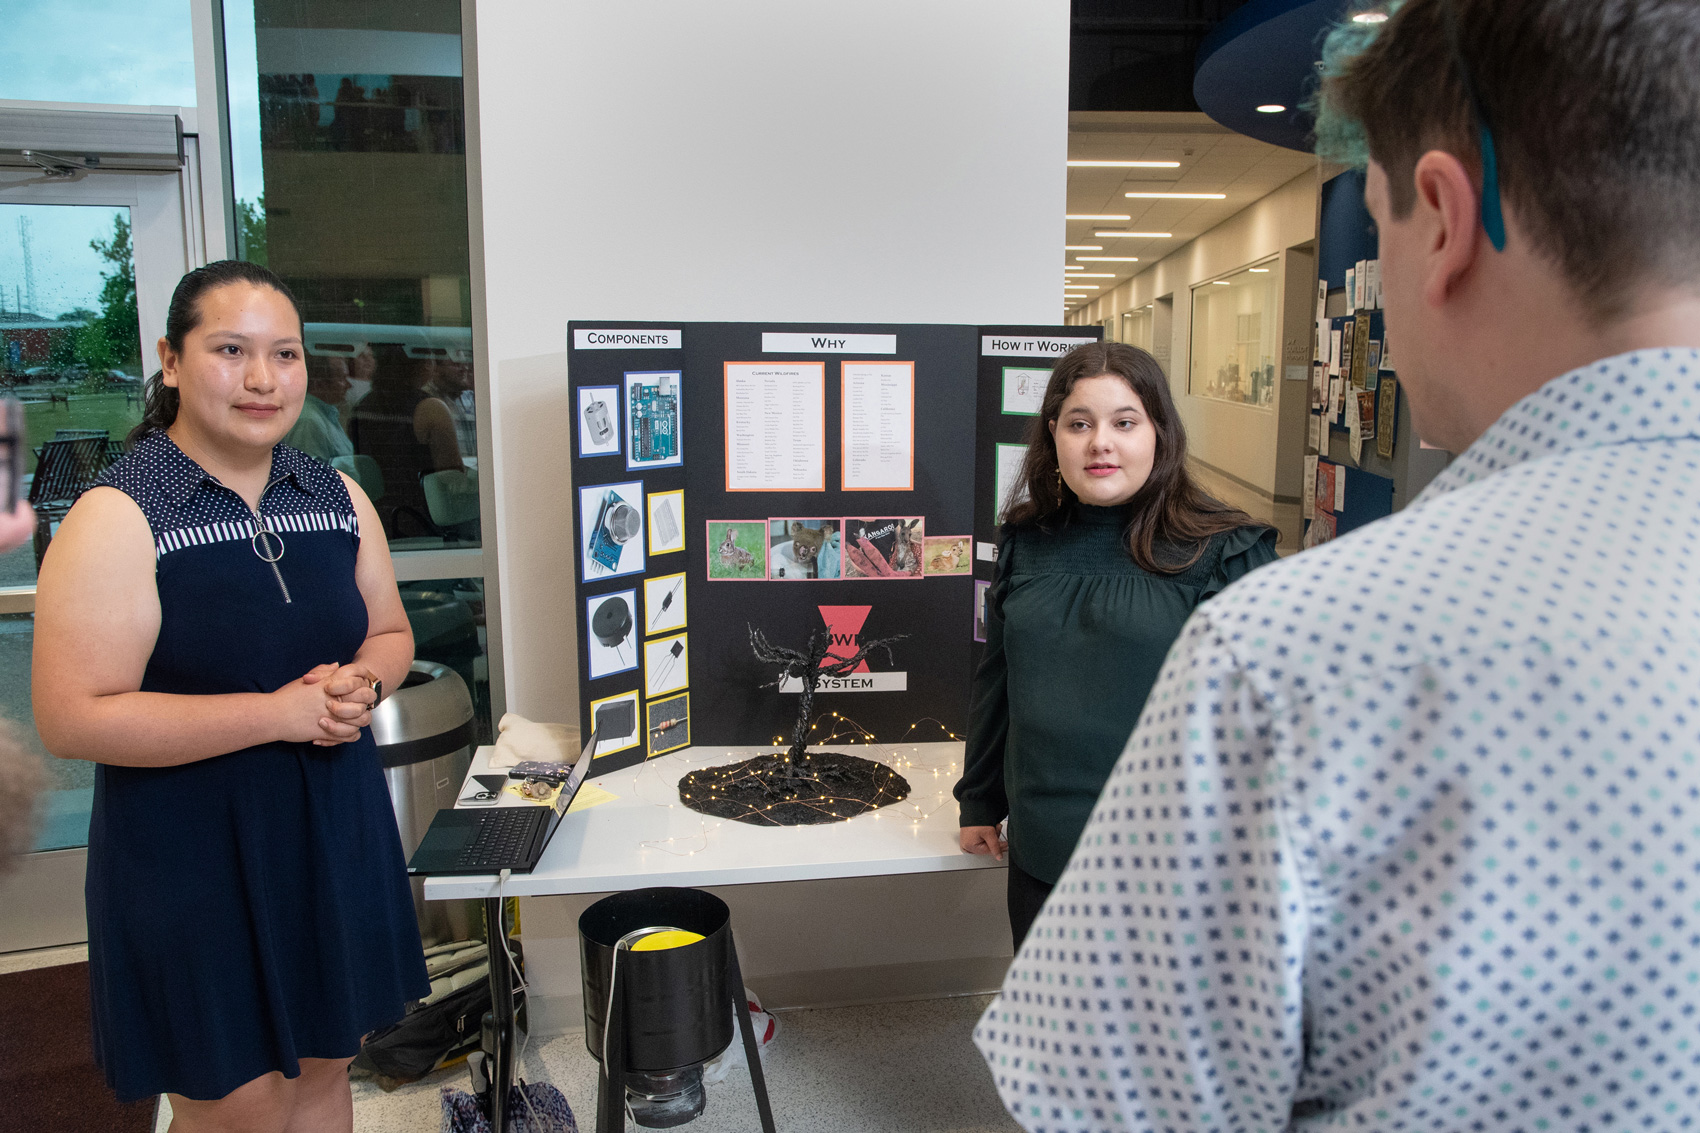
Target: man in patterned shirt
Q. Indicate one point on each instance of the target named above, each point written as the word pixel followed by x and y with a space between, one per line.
pixel 1408 837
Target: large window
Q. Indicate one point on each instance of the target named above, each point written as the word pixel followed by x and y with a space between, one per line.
pixel 1236 337
pixel 1136 328
pixel 348 150
pixel 70 349
pixel 349 169
pixel 134 52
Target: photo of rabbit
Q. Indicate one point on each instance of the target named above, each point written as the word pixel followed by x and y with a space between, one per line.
pixel 948 554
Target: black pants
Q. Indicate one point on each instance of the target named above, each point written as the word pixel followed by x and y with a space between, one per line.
pixel 1026 897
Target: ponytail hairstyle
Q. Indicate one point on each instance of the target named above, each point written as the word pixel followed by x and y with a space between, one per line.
pixel 160 401
pixel 1171 517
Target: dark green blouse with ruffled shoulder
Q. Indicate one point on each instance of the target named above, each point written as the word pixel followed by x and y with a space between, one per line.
pixel 1076 633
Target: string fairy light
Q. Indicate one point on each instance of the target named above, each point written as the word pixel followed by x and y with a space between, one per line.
pixel 655 785
pixel 754 789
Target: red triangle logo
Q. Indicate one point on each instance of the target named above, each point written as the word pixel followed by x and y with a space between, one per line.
pixel 843 624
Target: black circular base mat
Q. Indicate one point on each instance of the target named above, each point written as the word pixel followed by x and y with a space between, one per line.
pixel 777 790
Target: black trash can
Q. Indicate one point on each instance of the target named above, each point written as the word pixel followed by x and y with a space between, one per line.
pixel 425 737
pixel 672 1007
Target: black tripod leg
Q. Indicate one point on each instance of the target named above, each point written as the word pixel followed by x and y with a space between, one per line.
pixel 501 1011
pixel 611 1072
pixel 741 1004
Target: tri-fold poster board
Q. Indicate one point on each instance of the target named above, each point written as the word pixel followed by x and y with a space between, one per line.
pixel 794 479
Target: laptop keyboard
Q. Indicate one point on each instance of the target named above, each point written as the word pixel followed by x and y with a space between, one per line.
pixel 501 839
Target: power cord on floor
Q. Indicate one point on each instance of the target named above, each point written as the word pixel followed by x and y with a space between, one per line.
pixel 501 930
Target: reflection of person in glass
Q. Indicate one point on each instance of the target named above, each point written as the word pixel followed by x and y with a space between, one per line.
pixel 213 624
pixel 20 768
pixel 1109 551
pixel 409 433
pixel 319 432
pixel 452 385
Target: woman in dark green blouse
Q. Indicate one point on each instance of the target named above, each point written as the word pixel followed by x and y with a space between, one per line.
pixel 1110 549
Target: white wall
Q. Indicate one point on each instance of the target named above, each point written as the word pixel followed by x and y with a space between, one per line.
pixel 1241 440
pixel 888 160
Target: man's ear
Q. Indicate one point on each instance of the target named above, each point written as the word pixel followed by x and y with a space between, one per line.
pixel 1446 197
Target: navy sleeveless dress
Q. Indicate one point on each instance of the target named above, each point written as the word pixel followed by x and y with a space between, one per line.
pixel 251 909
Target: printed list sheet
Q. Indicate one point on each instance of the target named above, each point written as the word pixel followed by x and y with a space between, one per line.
pixel 879 426
pixel 775 426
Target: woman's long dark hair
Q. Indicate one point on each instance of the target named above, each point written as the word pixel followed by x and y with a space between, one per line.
pixel 160 401
pixel 1172 518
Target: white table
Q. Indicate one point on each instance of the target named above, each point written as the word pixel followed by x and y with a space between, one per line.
pixel 646 837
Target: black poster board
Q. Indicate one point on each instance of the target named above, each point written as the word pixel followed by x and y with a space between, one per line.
pixel 1011 359
pixel 651 436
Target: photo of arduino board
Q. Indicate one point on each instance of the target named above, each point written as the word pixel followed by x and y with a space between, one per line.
pixel 655 421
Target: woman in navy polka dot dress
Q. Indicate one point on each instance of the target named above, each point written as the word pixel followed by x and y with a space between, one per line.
pixel 212 629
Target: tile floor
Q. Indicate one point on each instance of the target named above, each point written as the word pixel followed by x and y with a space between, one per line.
pixel 887 1068
pixel 1285 517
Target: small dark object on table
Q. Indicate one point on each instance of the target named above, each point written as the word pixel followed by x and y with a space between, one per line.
pixel 798 787
pixel 782 790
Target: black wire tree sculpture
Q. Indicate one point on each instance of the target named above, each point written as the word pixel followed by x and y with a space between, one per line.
pixel 798 787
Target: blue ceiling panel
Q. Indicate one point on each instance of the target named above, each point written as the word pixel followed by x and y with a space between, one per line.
pixel 1266 54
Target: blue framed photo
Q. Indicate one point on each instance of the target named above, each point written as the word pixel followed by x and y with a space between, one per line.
pixel 611 530
pixel 654 419
pixel 610 630
pixel 599 421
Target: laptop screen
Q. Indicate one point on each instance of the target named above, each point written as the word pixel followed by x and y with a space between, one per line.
pixel 569 789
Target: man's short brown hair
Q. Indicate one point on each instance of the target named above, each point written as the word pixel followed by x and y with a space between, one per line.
pixel 1594 110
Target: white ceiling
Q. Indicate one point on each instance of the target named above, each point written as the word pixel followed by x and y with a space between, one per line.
pixel 1212 159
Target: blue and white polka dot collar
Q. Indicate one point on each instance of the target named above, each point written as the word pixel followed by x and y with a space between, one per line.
pixel 183 476
pixel 1645 395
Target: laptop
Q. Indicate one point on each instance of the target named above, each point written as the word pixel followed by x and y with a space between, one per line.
pixel 491 840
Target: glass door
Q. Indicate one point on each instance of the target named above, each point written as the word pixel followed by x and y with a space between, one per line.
pixel 86 272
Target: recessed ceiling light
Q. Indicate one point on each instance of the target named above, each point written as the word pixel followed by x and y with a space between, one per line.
pixel 1073 267
pixel 1271 108
pixel 1178 196
pixel 1260 271
pixel 1080 287
pixel 1127 164
pixel 1135 235
pixel 1095 216
pixel 1370 18
pixel 1108 259
pixel 1221 283
pixel 1083 247
pixel 1094 275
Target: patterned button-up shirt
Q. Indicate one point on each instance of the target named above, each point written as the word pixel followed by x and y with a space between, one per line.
pixel 1408 836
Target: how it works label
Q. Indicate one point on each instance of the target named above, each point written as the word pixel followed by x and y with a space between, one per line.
pixel 1000 345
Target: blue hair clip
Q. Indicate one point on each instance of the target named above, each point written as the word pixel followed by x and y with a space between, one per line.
pixel 1493 217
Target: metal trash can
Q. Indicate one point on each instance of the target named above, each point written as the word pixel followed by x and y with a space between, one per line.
pixel 425 737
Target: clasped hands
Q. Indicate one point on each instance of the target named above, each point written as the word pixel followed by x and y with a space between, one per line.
pixel 327 706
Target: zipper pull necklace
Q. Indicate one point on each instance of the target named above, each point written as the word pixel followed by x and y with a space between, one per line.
pixel 262 543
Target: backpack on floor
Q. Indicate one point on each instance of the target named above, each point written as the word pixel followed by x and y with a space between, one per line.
pixel 444 1026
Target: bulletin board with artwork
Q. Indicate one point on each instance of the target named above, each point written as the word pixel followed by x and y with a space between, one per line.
pixel 797 479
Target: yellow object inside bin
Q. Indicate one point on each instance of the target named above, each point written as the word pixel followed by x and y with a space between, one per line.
pixel 669 938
